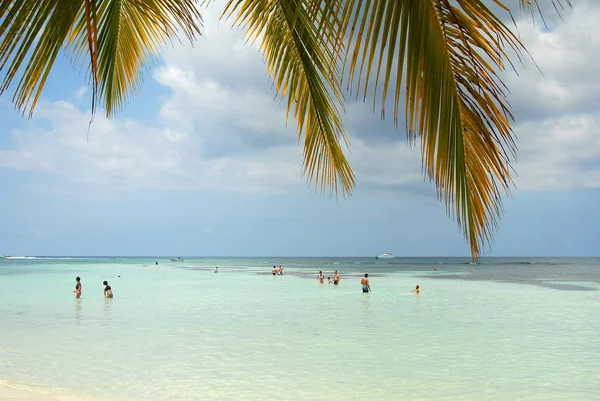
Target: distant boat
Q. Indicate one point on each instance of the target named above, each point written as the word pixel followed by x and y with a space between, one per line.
pixel 385 255
pixel 176 259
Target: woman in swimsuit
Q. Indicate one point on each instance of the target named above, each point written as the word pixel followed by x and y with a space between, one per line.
pixel 364 282
pixel 107 290
pixel 321 277
pixel 274 271
pixel 77 288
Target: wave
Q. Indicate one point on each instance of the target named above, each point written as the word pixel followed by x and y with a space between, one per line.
pixel 20 257
pixel 34 258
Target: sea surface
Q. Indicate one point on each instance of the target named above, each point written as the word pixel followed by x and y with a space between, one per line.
pixel 503 329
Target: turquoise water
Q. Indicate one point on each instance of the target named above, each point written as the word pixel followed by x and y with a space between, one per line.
pixel 506 329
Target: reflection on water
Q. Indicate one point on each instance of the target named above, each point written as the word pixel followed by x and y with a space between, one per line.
pixel 107 312
pixel 78 311
pixel 365 301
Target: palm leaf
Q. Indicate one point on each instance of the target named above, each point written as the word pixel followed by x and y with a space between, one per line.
pixel 447 54
pixel 115 39
pixel 302 53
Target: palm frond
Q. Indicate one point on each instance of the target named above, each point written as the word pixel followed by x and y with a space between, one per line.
pixel 302 53
pixel 447 53
pixel 32 32
pixel 115 38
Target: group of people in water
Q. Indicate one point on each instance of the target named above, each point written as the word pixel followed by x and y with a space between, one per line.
pixel 108 293
pixel 335 281
pixel 364 281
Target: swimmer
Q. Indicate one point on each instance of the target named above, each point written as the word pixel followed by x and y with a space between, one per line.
pixel 274 271
pixel 329 280
pixel 280 271
pixel 366 287
pixel 435 270
pixel 216 269
pixel 416 290
pixel 77 288
pixel 336 277
pixel 321 277
pixel 107 290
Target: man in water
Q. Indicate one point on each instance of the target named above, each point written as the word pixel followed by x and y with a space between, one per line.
pixel 416 290
pixel 280 271
pixel 336 277
pixel 107 290
pixel 274 271
pixel 366 287
pixel 77 288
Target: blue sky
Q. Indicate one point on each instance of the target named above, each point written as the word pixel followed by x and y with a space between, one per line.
pixel 201 163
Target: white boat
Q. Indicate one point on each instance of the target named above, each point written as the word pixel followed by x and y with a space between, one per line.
pixel 176 259
pixel 385 255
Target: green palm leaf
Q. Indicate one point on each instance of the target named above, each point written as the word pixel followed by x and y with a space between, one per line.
pixel 118 38
pixel 447 54
pixel 299 42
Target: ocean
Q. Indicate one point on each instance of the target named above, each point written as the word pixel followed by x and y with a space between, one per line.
pixel 503 329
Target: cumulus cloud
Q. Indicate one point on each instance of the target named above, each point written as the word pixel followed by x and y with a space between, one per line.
pixel 557 114
pixel 80 92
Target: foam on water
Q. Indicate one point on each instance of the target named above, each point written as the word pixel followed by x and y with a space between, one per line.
pixel 179 331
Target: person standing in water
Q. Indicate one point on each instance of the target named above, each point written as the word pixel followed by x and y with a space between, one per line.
pixel 336 277
pixel 416 290
pixel 321 277
pixel 216 269
pixel 77 288
pixel 107 290
pixel 274 271
pixel 280 271
pixel 364 282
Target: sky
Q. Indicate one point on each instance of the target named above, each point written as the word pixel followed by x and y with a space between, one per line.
pixel 202 163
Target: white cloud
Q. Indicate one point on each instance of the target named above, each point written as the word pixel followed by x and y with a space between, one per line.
pixel 557 113
pixel 81 92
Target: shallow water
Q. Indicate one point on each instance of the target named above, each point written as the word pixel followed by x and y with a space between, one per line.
pixel 504 329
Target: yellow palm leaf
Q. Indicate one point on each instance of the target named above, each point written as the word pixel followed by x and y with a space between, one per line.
pixel 299 42
pixel 447 53
pixel 118 38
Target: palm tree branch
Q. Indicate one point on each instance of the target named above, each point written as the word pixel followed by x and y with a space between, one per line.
pixel 298 40
pixel 31 36
pixel 127 36
pixel 114 38
pixel 447 54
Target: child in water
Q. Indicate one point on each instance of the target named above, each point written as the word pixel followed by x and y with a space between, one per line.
pixel 107 290
pixel 416 290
